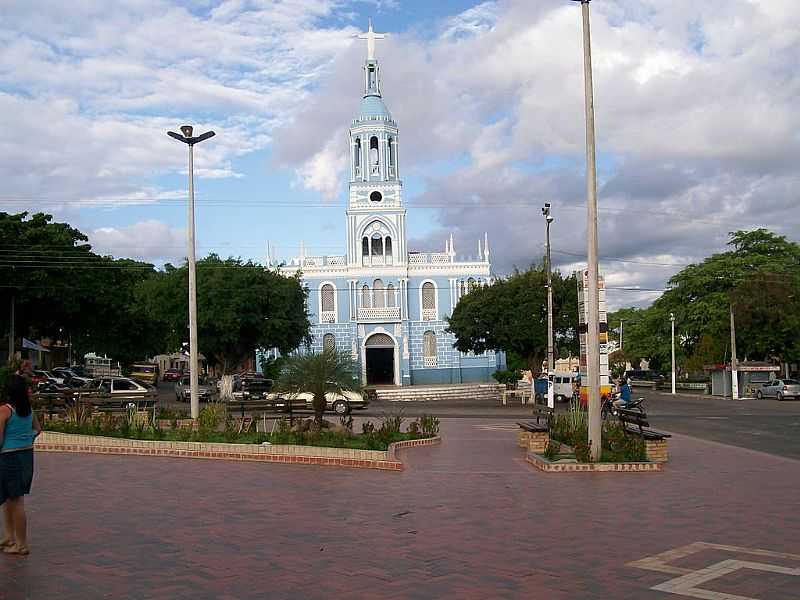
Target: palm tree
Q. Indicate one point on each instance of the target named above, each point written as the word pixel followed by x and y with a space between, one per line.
pixel 319 374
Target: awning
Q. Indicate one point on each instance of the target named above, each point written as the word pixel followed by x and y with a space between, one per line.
pixel 29 345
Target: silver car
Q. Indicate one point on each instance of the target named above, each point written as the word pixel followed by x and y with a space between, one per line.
pixel 183 391
pixel 118 391
pixel 780 389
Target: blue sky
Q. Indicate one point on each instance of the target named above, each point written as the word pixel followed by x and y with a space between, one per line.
pixel 696 119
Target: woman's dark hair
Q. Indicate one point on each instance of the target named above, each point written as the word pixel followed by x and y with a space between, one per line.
pixel 17 392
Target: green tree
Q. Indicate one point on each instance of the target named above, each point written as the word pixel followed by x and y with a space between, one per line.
pixel 511 316
pixel 758 276
pixel 330 371
pixel 241 306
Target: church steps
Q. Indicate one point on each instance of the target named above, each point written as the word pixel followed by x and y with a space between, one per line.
pixel 419 393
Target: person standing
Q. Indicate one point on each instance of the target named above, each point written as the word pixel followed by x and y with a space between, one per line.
pixel 18 429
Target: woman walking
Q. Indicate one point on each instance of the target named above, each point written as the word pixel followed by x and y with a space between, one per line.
pixel 18 428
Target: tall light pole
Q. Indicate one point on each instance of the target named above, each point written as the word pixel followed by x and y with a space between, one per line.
pixel 550 359
pixel 672 322
pixel 621 347
pixel 734 361
pixel 592 302
pixel 190 141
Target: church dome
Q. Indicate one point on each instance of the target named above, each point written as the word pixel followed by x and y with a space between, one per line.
pixel 372 107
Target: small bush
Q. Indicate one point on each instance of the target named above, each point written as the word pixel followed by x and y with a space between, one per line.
pixel 429 425
pixel 367 427
pixel 509 378
pixel 552 449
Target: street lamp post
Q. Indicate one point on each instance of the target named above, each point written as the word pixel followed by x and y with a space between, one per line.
pixel 672 322
pixel 190 141
pixel 592 302
pixel 550 359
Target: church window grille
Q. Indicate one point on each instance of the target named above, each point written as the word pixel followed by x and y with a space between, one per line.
pixel 428 301
pixel 392 156
pixel 380 340
pixel 377 245
pixel 387 244
pixel 390 296
pixel 327 297
pixel 365 246
pixel 365 297
pixel 374 159
pixel 328 342
pixel 357 156
pixel 429 349
pixel 378 294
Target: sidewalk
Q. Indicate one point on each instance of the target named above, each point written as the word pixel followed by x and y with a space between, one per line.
pixel 467 519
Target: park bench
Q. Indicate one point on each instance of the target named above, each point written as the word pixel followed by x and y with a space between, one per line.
pixel 535 434
pixel 635 422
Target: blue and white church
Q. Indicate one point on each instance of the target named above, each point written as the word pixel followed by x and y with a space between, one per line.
pixel 380 301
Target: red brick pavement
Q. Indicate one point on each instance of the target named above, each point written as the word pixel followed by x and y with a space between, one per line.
pixel 467 519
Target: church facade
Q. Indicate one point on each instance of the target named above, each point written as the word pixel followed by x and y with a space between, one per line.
pixel 381 301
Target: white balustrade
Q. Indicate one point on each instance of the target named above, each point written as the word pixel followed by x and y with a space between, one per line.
pixel 440 258
pixel 337 261
pixel 428 314
pixel 429 361
pixel 417 259
pixel 328 316
pixel 387 313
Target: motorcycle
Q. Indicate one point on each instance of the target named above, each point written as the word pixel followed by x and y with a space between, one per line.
pixel 608 409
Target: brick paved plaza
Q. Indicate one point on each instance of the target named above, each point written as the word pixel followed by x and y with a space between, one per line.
pixel 467 519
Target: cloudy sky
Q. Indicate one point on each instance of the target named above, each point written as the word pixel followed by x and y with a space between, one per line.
pixel 697 122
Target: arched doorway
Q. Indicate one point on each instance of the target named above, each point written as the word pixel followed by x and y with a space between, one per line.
pixel 379 358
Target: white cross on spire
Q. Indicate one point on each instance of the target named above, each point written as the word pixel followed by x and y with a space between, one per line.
pixel 371 36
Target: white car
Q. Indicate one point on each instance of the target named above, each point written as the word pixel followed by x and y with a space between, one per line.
pixel 341 404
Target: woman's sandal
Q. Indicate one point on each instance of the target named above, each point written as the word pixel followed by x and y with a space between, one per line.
pixel 22 550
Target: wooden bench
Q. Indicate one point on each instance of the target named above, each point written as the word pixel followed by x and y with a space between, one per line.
pixel 535 434
pixel 635 422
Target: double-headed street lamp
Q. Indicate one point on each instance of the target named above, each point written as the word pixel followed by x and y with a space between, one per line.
pixel 550 359
pixel 190 141
pixel 672 322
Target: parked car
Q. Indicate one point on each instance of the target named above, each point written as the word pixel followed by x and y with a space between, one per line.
pixel 40 376
pixel 780 389
pixel 251 388
pixel 145 372
pixel 644 375
pixel 119 391
pixel 71 377
pixel 341 404
pixel 183 391
pixel 173 375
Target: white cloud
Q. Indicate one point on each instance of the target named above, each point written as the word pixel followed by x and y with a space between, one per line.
pixel 150 240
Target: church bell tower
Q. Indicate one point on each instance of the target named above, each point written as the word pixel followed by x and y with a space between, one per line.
pixel 376 219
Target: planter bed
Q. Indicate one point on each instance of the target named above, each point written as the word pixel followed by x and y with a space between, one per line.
pixel 50 441
pixel 572 466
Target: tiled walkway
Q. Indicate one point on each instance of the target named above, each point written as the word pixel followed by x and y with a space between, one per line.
pixel 467 519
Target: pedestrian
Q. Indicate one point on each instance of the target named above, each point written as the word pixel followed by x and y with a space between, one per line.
pixel 18 429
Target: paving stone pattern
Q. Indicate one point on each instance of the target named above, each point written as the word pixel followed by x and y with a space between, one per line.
pixel 466 519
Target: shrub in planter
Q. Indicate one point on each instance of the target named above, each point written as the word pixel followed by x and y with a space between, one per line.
pixel 509 378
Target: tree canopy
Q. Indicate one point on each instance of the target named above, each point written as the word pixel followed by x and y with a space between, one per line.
pixel 511 316
pixel 129 310
pixel 759 277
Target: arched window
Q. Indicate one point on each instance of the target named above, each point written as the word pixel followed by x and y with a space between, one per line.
pixel 461 288
pixel 428 301
pixel 392 158
pixel 373 155
pixel 328 342
pixel 378 294
pixel 377 244
pixel 365 246
pixel 357 157
pixel 429 349
pixel 471 284
pixel 328 298
pixel 365 303
pixel 390 299
pixel 387 244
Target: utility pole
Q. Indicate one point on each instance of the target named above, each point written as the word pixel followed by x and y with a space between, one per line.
pixel 550 358
pixel 620 334
pixel 672 322
pixel 592 301
pixel 734 361
pixel 190 141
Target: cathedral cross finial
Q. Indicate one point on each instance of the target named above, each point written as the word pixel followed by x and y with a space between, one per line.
pixel 371 36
